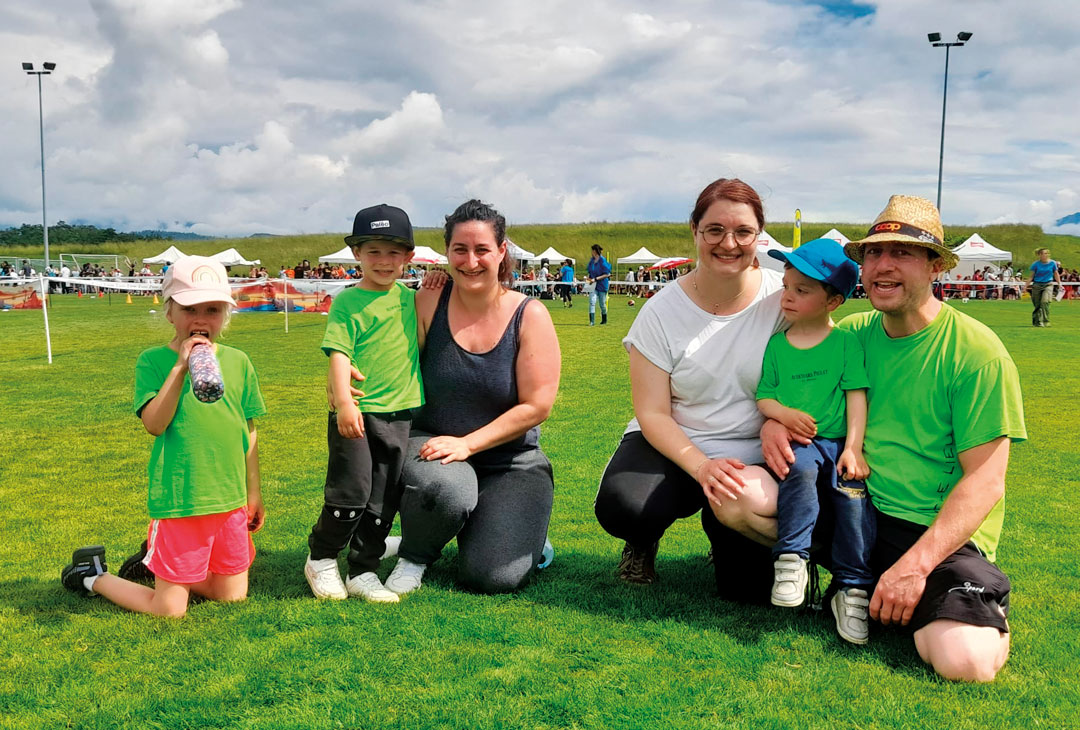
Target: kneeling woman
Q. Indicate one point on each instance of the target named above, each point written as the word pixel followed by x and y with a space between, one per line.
pixel 474 469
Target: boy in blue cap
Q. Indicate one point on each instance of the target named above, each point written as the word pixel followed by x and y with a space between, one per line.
pixel 814 382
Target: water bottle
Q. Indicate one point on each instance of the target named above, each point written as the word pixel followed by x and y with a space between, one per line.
pixel 206 382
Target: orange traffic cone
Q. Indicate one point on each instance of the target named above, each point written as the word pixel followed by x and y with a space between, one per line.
pixel 128 300
pixel 100 294
pixel 80 293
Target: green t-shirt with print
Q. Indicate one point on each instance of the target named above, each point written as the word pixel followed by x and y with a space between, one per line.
pixel 814 380
pixel 377 331
pixel 198 466
pixel 947 388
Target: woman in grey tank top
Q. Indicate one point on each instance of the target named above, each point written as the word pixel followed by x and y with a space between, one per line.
pixel 474 469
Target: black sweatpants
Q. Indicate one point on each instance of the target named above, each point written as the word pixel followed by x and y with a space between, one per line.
pixel 642 493
pixel 362 491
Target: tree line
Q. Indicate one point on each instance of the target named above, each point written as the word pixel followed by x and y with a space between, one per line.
pixel 62 232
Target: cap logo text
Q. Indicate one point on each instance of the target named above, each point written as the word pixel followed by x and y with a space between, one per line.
pixel 380 224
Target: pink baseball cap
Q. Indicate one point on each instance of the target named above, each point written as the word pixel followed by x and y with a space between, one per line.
pixel 195 280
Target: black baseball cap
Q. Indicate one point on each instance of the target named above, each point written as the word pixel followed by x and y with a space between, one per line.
pixel 382 222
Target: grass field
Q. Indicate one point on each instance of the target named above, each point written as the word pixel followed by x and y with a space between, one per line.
pixel 575 649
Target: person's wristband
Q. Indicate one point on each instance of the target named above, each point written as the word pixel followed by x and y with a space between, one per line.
pixel 697 471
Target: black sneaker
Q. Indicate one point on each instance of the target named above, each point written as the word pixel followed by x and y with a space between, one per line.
pixel 638 565
pixel 134 569
pixel 85 562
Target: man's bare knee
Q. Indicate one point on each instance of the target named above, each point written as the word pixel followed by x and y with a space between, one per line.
pixel 962 652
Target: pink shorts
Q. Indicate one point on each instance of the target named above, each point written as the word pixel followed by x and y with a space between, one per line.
pixel 186 549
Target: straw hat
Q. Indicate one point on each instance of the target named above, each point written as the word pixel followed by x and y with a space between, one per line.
pixel 907 219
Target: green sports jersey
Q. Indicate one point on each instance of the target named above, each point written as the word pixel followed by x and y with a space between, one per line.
pixel 198 465
pixel 947 388
pixel 377 330
pixel 814 380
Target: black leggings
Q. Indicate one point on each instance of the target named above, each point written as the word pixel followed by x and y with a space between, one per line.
pixel 642 493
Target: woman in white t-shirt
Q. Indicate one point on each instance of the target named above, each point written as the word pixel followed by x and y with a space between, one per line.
pixel 695 361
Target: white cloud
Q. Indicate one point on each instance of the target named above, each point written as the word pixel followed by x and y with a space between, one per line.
pixel 240 117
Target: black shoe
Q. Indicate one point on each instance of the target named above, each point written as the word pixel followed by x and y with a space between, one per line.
pixel 85 562
pixel 603 319
pixel 134 569
pixel 638 565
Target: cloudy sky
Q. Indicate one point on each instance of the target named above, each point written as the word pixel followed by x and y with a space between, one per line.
pixel 235 116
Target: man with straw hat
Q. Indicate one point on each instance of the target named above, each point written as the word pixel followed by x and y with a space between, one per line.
pixel 944 405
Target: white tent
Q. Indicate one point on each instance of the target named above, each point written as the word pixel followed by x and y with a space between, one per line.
pixel 554 256
pixel 169 255
pixel 838 237
pixel 427 255
pixel 232 257
pixel 519 254
pixel 766 243
pixel 976 253
pixel 344 256
pixel 641 256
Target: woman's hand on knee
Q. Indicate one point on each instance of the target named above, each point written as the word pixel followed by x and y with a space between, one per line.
pixel 720 479
pixel 446 448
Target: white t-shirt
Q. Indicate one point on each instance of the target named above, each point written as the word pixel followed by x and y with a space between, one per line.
pixel 714 363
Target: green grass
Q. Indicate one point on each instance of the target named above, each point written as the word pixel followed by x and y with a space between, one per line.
pixel 574 649
pixel 574 240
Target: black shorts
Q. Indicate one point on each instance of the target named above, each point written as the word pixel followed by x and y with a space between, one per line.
pixel 964 587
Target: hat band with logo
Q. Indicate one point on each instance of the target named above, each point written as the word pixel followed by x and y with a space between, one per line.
pixel 903 229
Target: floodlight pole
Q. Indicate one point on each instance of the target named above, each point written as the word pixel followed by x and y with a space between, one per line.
pixel 29 68
pixel 935 41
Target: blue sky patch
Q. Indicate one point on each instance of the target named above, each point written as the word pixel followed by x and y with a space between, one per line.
pixel 847 8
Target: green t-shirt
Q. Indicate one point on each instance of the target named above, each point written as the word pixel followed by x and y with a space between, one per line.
pixel 814 380
pixel 377 330
pixel 947 388
pixel 198 466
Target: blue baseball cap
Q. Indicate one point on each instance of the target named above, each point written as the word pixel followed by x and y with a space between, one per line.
pixel 823 260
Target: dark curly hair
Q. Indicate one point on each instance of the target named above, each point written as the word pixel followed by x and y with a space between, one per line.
pixel 476 210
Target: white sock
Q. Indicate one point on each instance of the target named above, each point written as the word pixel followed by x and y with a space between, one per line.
pixel 88 582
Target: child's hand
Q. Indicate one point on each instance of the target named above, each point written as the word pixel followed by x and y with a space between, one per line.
pixel 256 513
pixel 447 448
pixel 185 348
pixel 852 465
pixel 350 424
pixel 799 423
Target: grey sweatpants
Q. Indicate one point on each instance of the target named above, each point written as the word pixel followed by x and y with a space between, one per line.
pixel 497 504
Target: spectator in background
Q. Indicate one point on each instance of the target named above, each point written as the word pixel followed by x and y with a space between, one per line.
pixel 1044 273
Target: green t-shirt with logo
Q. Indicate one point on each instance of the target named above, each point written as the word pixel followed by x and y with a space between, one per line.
pixel 377 331
pixel 947 388
pixel 814 380
pixel 198 466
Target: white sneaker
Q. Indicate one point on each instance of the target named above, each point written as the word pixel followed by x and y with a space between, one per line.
pixel 370 588
pixel 405 577
pixel 789 581
pixel 324 579
pixel 393 543
pixel 851 609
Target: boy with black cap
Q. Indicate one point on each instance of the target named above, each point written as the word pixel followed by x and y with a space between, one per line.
pixel 373 328
pixel 814 382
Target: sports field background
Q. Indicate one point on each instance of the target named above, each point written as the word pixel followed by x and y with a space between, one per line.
pixel 574 649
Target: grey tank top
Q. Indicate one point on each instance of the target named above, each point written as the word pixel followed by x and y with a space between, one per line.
pixel 464 390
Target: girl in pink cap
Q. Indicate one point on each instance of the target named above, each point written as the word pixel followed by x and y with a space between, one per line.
pixel 204 496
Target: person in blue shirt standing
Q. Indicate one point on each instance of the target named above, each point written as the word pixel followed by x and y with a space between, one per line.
pixel 566 277
pixel 599 272
pixel 1043 272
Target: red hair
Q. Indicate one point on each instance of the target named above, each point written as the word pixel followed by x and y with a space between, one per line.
pixel 732 189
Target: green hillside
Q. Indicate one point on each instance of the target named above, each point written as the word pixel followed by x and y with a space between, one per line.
pixel 618 239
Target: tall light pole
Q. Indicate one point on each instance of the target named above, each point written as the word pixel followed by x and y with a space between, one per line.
pixel 48 68
pixel 936 42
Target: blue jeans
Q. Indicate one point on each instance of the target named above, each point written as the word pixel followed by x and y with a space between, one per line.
pixel 811 482
pixel 594 297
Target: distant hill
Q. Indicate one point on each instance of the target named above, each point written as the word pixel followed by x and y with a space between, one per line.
pixel 174 235
pixel 1074 218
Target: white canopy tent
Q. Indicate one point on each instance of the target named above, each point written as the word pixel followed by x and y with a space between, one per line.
pixel 519 254
pixel 344 256
pixel 641 256
pixel 977 253
pixel 428 256
pixel 838 237
pixel 169 255
pixel 765 244
pixel 554 257
pixel 232 257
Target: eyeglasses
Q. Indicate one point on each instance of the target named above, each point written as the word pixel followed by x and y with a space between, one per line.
pixel 716 234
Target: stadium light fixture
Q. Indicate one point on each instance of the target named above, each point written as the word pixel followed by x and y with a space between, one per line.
pixel 935 40
pixel 47 68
